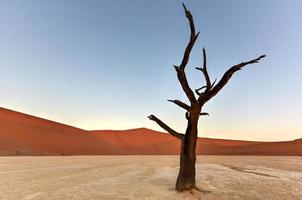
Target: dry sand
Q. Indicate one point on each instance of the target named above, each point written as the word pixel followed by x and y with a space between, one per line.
pixel 149 177
pixel 22 134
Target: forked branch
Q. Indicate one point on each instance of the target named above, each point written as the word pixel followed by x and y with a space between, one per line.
pixel 184 84
pixel 201 88
pixel 166 127
pixel 181 68
pixel 205 71
pixel 227 75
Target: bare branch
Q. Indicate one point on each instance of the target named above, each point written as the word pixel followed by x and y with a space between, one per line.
pixel 165 127
pixel 184 84
pixel 193 38
pixel 181 68
pixel 213 83
pixel 204 69
pixel 197 90
pixel 227 75
pixel 184 6
pixel 181 104
pixel 204 113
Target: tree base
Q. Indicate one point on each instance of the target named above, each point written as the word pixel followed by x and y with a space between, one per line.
pixel 182 185
pixel 185 188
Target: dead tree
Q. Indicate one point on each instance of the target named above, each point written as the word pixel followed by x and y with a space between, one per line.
pixel 193 110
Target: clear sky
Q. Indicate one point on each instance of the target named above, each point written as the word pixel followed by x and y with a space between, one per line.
pixel 108 64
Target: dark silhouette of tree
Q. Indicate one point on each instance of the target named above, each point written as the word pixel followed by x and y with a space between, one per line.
pixel 186 176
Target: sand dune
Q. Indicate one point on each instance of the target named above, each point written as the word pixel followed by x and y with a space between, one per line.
pixel 22 134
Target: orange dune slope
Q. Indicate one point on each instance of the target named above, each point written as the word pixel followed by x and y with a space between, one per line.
pixel 22 134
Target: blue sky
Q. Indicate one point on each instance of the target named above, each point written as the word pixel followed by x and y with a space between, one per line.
pixel 108 64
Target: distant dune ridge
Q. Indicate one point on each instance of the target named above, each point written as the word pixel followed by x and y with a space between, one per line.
pixel 22 134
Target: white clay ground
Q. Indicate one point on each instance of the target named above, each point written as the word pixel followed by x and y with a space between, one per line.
pixel 149 177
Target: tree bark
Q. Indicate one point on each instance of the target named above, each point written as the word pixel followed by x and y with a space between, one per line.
pixel 186 176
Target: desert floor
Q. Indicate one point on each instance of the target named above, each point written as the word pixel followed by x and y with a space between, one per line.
pixel 149 177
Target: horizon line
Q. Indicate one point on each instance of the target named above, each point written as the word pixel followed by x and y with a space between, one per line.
pixel 72 126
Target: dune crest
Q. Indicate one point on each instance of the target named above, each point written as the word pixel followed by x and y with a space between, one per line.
pixel 22 134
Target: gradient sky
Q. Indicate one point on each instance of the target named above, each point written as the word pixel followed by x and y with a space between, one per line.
pixel 108 64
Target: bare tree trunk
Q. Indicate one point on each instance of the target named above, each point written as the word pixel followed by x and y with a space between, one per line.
pixel 186 177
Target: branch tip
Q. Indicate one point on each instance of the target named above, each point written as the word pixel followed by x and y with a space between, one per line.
pixel 165 127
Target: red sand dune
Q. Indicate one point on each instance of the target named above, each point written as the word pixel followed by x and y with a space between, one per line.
pixel 22 134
